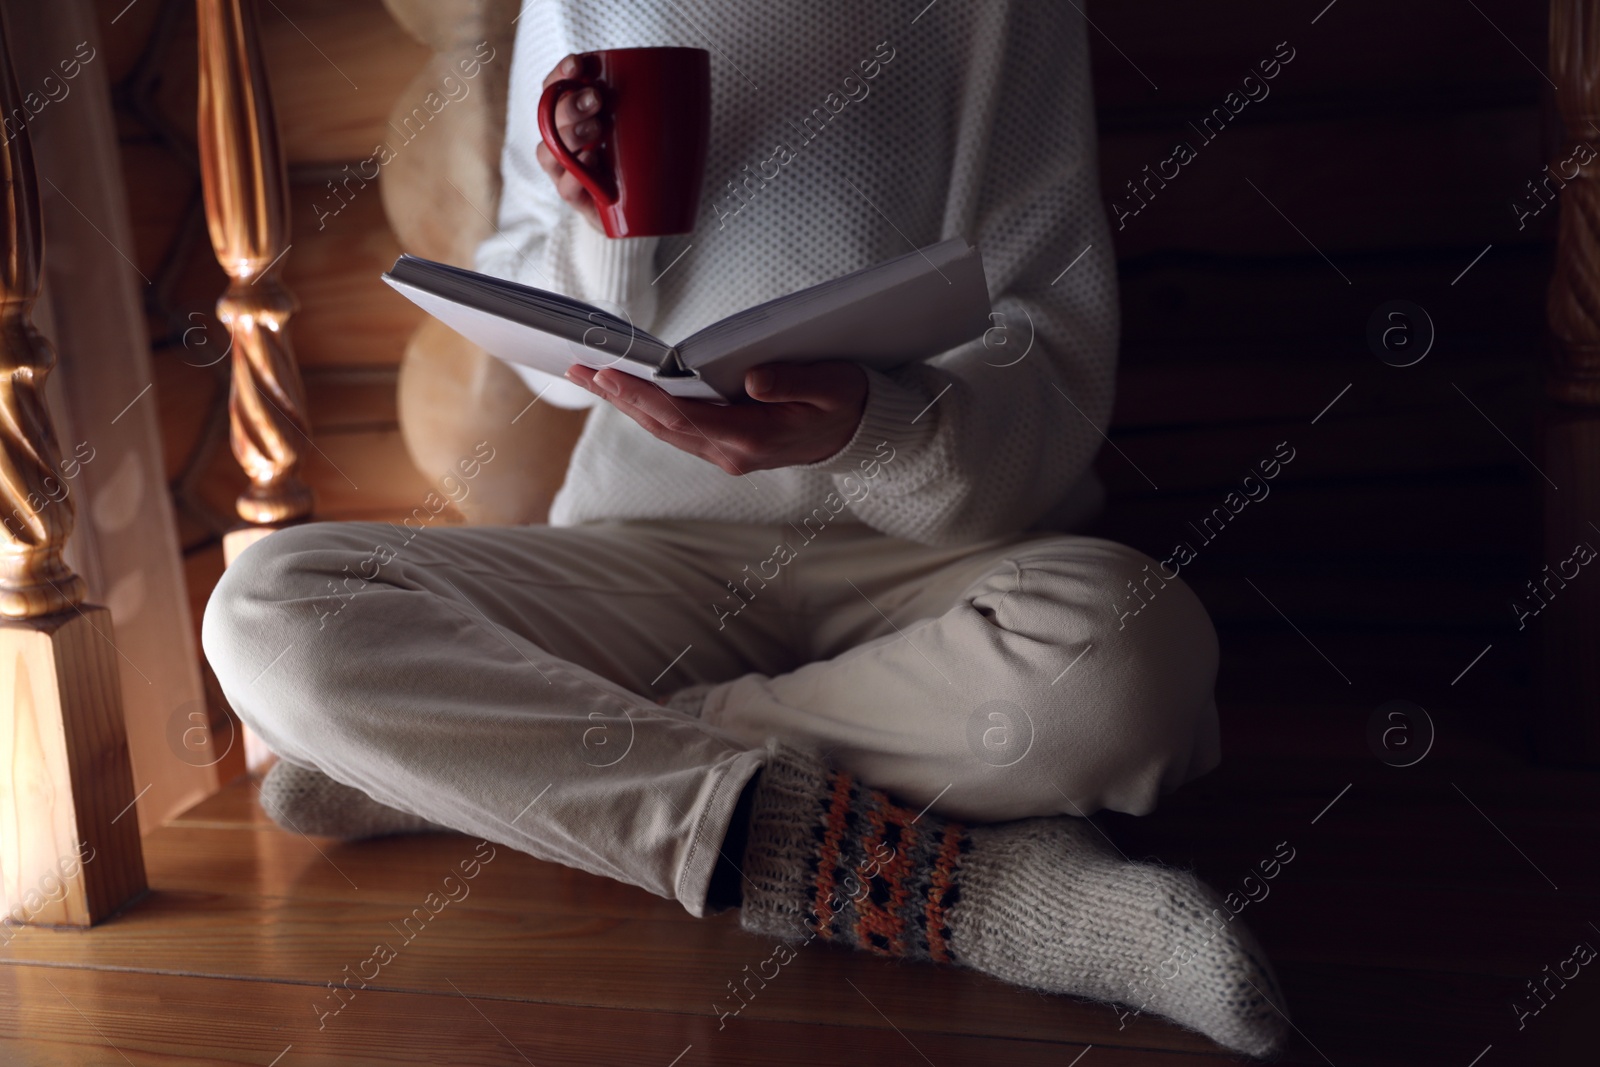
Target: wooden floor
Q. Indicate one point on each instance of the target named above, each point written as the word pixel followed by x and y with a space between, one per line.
pixel 1418 903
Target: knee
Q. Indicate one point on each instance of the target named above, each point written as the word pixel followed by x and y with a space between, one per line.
pixel 1157 630
pixel 265 597
pixel 1118 607
pixel 266 610
pixel 1127 712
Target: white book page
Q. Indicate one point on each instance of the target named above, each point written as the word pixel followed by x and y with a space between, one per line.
pixel 533 347
pixel 883 319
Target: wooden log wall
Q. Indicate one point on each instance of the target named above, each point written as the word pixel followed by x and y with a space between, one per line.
pixel 1377 164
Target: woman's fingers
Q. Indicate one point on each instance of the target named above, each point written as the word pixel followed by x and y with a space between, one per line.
pixel 665 422
pixel 688 418
pixel 738 438
pixel 580 118
pixel 548 161
pixel 577 113
pixel 567 185
pixel 566 68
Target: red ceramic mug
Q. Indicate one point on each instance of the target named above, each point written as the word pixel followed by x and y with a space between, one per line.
pixel 653 137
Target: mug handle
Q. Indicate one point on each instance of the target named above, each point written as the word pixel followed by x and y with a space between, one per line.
pixel 552 138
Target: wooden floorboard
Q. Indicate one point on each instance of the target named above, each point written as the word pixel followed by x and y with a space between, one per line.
pixel 396 870
pixel 576 960
pixel 77 1017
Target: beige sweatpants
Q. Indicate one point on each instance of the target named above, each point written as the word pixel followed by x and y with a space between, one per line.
pixel 503 681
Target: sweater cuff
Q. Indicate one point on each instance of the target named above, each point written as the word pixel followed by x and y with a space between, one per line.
pixel 611 269
pixel 894 414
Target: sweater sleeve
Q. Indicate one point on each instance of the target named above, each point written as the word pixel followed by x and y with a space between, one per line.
pixel 986 439
pixel 539 239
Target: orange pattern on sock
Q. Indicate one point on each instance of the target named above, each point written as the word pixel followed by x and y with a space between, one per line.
pixel 834 830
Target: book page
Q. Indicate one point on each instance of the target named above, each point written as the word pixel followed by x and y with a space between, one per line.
pixel 903 310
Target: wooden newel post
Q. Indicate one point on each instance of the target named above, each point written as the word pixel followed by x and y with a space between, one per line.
pixel 1567 728
pixel 69 837
pixel 247 208
pixel 1574 297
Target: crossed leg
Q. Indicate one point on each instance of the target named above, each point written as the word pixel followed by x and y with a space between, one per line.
pixel 503 681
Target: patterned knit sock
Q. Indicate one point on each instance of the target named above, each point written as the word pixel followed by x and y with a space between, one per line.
pixel 306 801
pixel 1042 903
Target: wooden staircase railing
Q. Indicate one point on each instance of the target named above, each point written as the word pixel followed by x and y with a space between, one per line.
pixel 1567 726
pixel 69 838
pixel 247 209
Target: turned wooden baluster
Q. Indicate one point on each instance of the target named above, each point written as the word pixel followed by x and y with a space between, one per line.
pixel 69 839
pixel 247 208
pixel 1574 297
pixel 34 579
pixel 1567 727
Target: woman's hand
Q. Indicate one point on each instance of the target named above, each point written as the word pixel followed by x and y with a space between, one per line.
pixel 579 117
pixel 806 412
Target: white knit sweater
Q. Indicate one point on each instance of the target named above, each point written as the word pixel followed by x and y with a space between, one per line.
pixel 854 130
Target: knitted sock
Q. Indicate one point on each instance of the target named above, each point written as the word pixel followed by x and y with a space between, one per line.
pixel 307 801
pixel 1042 903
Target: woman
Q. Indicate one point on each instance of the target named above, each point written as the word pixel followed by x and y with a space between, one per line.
pixel 899 685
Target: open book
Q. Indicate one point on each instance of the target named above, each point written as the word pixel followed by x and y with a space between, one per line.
pixel 903 309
